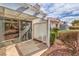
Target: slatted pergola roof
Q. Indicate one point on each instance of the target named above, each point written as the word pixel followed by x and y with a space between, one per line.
pixel 10 13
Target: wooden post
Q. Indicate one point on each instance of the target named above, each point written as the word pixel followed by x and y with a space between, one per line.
pixel 48 40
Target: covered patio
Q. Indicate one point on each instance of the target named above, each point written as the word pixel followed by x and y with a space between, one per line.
pixel 14 26
pixel 16 34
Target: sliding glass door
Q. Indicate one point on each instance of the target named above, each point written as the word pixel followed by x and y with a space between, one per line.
pixel 1 29
pixel 13 31
pixel 25 30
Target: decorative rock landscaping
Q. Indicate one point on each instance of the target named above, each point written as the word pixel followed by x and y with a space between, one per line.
pixel 66 45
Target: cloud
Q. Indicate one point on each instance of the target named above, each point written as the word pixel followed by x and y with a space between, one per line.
pixel 70 18
pixel 62 10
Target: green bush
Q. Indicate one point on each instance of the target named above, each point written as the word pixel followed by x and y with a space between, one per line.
pixel 74 28
pixel 53 35
pixel 55 29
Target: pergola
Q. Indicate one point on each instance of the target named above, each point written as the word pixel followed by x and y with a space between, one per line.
pixel 10 13
pixel 6 13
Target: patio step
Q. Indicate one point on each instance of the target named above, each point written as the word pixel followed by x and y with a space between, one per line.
pixel 11 51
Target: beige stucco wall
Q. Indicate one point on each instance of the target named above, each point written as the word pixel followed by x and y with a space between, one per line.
pixel 37 20
pixel 40 31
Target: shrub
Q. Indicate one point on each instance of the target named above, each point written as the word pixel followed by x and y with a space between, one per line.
pixel 55 30
pixel 70 39
pixel 74 28
pixel 53 35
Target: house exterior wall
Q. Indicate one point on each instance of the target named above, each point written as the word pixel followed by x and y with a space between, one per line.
pixel 36 20
pixel 64 26
pixel 40 31
pixel 54 25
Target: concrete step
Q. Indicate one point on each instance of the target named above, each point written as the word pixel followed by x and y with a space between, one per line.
pixel 11 51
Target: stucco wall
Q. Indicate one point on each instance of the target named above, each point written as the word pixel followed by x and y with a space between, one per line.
pixel 40 31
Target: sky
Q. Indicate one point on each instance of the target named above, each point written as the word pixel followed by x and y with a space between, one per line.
pixel 64 11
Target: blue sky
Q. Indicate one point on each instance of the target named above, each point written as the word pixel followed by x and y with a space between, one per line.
pixel 64 11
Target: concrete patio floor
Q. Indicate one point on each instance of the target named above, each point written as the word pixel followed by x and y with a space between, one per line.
pixel 30 48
